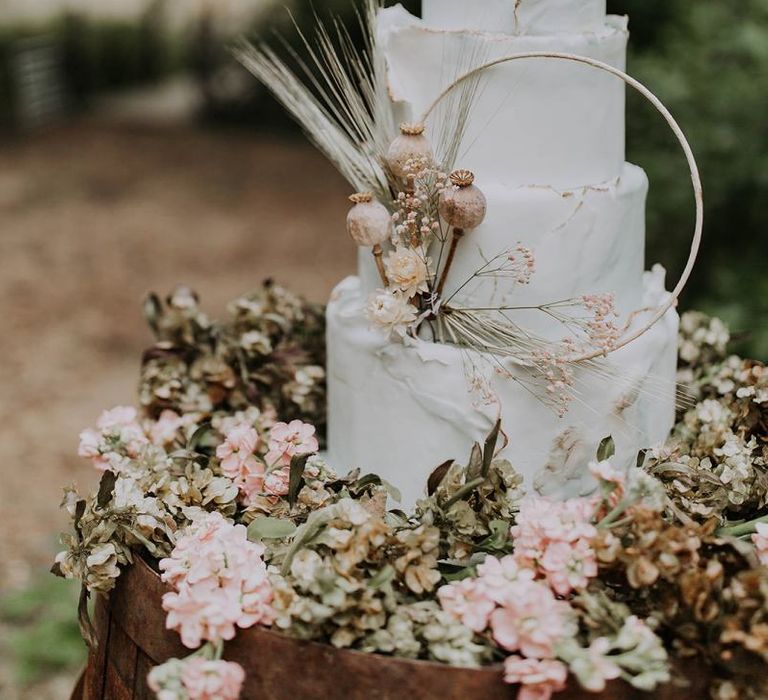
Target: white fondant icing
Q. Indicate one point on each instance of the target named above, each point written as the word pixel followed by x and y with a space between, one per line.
pixel 534 121
pixel 585 241
pixel 515 16
pixel 399 410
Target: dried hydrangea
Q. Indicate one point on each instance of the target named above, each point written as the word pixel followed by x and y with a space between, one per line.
pixel 471 509
pixel 269 352
pixel 716 463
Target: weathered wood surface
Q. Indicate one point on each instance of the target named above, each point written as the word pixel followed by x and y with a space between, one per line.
pixel 130 626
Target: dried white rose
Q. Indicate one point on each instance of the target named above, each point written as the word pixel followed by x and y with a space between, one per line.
pixel 390 311
pixel 408 270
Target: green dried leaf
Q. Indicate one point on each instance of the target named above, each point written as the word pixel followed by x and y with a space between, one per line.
pixel 201 438
pixel 296 477
pixel 498 541
pixel 607 449
pixel 153 310
pixel 437 476
pixel 106 489
pixel 397 518
pixel 475 467
pixel 489 450
pixel 270 529
pixel 79 513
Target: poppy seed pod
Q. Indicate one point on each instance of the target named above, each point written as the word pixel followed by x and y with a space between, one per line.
pixel 410 146
pixel 369 223
pixel 463 206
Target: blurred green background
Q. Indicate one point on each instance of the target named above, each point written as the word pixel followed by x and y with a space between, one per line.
pixel 105 191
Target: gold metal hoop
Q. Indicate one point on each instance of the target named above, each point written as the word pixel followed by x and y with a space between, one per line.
pixel 674 295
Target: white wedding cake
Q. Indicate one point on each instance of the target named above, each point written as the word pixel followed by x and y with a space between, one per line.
pixel 545 141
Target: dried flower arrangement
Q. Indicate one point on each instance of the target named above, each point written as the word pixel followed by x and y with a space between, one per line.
pixel 412 201
pixel 249 526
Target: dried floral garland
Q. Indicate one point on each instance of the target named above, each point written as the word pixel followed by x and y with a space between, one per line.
pixel 251 526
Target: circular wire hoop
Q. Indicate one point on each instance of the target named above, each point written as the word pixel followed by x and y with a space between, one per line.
pixel 674 295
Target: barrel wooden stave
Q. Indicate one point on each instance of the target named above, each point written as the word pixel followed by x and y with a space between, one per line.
pixel 130 626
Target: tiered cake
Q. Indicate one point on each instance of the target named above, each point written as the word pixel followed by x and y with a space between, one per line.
pixel 545 140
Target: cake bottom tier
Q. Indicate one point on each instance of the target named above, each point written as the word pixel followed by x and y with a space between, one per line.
pixel 401 410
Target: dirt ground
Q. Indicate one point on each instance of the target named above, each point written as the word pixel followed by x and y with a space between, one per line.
pixel 92 217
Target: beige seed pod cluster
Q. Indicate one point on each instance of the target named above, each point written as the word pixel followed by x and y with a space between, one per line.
pixel 409 146
pixel 369 223
pixel 463 206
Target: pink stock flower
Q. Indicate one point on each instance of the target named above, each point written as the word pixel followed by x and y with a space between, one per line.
pixel 289 439
pixel 760 540
pixel 532 621
pixel 118 435
pixel 220 582
pixel 239 463
pixel 212 680
pixel 276 482
pixel 236 453
pixel 116 418
pixel 90 442
pixel 496 576
pixel 538 679
pixel 554 539
pixel 163 431
pixel 469 602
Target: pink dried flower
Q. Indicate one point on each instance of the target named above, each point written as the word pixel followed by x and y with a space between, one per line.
pixel 532 621
pixel 469 602
pixel 239 463
pixel 212 680
pixel 538 679
pixel 554 539
pixel 276 482
pixel 289 439
pixel 164 430
pixel 118 435
pixel 237 450
pixel 220 582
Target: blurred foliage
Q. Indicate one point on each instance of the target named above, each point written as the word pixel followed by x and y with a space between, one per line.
pixel 43 634
pixel 96 55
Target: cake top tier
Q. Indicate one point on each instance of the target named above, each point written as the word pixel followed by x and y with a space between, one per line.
pixel 515 16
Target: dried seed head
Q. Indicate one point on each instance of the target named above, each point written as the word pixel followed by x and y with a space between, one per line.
pixel 462 178
pixel 361 197
pixel 410 147
pixel 412 129
pixel 369 223
pixel 463 206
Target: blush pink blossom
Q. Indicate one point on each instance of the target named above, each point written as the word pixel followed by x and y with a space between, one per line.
pixel 532 621
pixel 212 680
pixel 554 539
pixel 237 450
pixel 220 582
pixel 538 678
pixel 164 430
pixel 469 602
pixel 239 463
pixel 118 436
pixel 289 439
pixel 276 482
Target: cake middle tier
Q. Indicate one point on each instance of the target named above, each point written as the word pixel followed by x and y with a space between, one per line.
pixel 585 241
pixel 532 121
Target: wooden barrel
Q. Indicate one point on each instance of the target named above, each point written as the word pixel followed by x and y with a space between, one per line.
pixel 130 627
